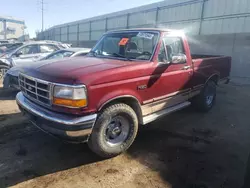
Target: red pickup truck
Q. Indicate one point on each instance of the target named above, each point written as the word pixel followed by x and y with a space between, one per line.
pixel 130 78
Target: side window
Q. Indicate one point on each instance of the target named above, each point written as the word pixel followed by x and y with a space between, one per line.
pixel 30 49
pixel 174 46
pixel 46 48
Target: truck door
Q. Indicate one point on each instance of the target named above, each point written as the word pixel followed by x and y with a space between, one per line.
pixel 173 74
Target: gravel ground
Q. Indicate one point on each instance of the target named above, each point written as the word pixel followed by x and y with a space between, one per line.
pixel 184 150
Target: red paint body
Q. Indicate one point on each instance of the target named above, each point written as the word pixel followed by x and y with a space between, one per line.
pixel 107 79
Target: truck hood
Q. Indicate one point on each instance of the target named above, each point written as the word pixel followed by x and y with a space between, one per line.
pixel 70 70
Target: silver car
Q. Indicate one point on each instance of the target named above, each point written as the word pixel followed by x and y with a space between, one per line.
pixel 29 51
pixel 11 76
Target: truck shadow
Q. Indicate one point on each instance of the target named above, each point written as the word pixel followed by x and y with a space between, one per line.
pixel 178 156
pixel 186 149
pixel 27 153
pixel 179 149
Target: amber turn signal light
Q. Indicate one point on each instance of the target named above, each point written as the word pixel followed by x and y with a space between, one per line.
pixel 69 102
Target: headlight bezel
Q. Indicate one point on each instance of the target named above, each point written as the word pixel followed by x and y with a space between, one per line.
pixel 73 87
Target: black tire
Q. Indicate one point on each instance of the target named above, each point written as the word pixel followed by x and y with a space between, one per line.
pixel 201 102
pixel 100 142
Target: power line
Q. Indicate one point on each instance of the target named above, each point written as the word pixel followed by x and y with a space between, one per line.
pixel 42 13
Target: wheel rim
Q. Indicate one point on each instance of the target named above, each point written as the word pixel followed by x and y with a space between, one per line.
pixel 209 99
pixel 3 72
pixel 117 130
pixel 210 95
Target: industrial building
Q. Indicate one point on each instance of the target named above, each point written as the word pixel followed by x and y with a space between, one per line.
pixel 11 28
pixel 219 27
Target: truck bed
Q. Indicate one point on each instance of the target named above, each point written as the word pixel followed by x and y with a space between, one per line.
pixel 201 56
pixel 207 64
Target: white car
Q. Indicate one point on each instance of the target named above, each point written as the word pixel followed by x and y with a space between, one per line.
pixel 11 76
pixel 29 51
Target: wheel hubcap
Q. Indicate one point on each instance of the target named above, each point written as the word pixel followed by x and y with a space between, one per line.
pixel 210 95
pixel 117 130
pixel 209 99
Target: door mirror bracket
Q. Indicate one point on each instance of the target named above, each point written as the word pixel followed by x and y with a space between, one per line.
pixel 179 59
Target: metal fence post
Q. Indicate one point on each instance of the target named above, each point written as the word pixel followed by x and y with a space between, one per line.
pixel 202 15
pixel 60 34
pixel 106 24
pixel 90 30
pixel 128 20
pixel 68 33
pixel 77 35
pixel 54 34
pixel 157 17
pixel 4 29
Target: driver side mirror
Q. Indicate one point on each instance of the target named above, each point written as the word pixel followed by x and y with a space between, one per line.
pixel 178 59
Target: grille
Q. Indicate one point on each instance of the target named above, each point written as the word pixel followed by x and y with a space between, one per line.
pixel 35 89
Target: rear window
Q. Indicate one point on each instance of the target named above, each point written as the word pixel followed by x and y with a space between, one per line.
pixel 47 48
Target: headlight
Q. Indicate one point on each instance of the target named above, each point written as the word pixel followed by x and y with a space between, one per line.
pixel 70 96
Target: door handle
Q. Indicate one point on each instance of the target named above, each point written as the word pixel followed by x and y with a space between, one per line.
pixel 185 67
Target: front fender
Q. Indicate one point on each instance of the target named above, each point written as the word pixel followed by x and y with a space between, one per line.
pixel 117 94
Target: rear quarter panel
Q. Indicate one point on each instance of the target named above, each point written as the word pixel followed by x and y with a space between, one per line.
pixel 207 67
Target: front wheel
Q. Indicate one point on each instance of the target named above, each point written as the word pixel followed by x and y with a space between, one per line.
pixel 114 131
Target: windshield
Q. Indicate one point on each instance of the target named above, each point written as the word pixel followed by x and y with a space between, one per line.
pixel 128 45
pixel 59 54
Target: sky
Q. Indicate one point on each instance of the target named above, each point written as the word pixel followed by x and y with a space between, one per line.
pixel 62 11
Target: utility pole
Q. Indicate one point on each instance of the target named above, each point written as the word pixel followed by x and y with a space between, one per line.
pixel 5 29
pixel 41 4
pixel 42 13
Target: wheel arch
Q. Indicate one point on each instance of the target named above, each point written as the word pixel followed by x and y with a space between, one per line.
pixel 130 100
pixel 214 77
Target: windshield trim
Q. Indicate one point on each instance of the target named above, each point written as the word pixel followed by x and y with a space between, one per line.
pixel 108 33
pixel 118 58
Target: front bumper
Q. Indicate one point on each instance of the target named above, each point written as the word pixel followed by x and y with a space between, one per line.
pixel 67 127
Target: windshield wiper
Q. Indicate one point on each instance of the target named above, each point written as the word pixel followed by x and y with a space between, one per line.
pixel 122 56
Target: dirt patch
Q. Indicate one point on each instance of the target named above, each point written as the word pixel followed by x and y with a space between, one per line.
pixel 184 150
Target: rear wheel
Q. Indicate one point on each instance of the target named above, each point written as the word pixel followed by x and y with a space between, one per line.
pixel 206 99
pixel 114 130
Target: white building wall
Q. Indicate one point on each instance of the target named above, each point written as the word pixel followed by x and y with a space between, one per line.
pixel 15 27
